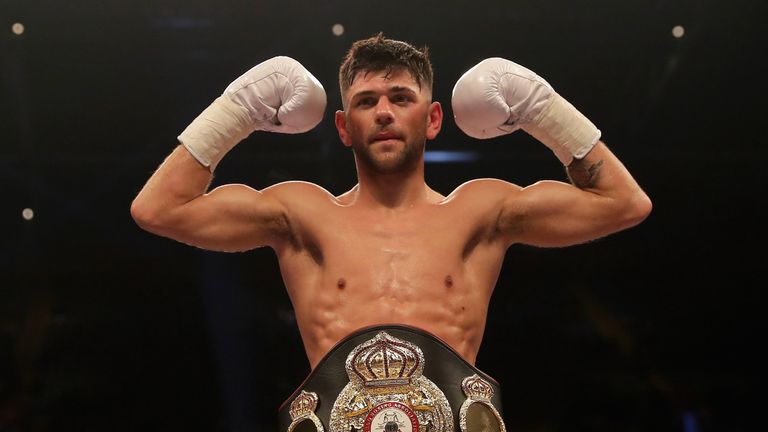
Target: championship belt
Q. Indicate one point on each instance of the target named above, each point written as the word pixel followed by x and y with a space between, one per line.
pixel 393 378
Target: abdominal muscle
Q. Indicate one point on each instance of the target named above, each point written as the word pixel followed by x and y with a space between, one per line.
pixel 392 288
pixel 431 266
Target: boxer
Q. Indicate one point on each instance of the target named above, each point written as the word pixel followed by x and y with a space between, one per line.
pixel 391 280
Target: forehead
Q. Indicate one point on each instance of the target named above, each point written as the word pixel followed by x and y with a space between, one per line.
pixel 369 80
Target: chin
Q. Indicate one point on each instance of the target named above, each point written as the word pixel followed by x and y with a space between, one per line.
pixel 396 162
pixel 399 168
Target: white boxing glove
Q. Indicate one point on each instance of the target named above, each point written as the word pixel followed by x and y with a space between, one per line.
pixel 497 97
pixel 277 95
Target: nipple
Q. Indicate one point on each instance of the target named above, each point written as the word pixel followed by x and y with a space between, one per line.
pixel 341 283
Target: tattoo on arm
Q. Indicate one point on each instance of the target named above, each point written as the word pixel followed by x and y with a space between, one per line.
pixel 584 174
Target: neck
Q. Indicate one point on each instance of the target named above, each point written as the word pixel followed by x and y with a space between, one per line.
pixel 394 191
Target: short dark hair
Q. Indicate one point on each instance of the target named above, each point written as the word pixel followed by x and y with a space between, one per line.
pixel 378 53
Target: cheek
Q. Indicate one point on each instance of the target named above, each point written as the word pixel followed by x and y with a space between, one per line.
pixel 353 131
pixel 353 123
pixel 418 121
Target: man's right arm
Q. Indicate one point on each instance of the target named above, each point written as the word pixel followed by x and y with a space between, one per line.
pixel 174 204
pixel 277 95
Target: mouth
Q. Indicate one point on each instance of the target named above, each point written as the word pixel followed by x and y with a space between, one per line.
pixel 386 136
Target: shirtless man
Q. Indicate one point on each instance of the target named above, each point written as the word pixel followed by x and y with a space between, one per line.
pixel 391 250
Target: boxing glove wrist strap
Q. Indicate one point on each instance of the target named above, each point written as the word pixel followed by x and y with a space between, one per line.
pixel 216 131
pixel 565 130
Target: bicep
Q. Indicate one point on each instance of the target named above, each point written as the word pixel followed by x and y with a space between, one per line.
pixel 232 217
pixel 554 214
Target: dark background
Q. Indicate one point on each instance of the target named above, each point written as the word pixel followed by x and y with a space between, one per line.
pixel 104 327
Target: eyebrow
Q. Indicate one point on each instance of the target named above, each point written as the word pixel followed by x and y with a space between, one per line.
pixel 393 89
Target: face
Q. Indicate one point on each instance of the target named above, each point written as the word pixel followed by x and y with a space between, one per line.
pixel 387 121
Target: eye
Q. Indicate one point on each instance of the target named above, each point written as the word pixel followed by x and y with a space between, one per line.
pixel 401 98
pixel 366 101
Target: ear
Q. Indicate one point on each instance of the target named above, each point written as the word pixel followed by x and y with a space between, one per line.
pixel 341 126
pixel 434 120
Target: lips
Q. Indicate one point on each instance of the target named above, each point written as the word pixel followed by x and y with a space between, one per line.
pixel 386 135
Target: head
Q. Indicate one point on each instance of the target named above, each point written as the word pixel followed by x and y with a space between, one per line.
pixel 386 91
pixel 379 54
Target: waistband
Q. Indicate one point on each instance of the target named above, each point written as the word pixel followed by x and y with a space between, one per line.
pixel 393 378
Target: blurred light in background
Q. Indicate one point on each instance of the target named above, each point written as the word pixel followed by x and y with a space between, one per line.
pixel 337 29
pixel 27 214
pixel 678 31
pixel 690 422
pixel 449 156
pixel 17 28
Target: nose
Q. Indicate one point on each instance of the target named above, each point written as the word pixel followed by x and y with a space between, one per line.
pixel 384 114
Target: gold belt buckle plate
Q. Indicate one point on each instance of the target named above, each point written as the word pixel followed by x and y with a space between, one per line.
pixel 387 391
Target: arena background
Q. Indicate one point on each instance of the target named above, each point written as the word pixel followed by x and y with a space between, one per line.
pixel 105 327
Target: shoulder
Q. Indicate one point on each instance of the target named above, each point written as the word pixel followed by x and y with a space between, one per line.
pixel 482 200
pixel 483 189
pixel 291 190
pixel 301 198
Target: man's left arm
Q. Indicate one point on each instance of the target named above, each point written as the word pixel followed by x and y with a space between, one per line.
pixel 602 198
pixel 497 97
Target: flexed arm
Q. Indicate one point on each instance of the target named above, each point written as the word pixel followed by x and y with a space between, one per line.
pixel 498 97
pixel 277 95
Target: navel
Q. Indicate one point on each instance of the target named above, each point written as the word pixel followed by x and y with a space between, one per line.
pixel 448 281
pixel 341 283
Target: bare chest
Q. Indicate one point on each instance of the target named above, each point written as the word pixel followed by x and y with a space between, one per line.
pixel 431 269
pixel 395 255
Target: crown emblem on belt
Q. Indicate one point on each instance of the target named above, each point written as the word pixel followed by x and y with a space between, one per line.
pixel 479 393
pixel 303 409
pixel 304 404
pixel 385 361
pixel 477 388
pixel 387 390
